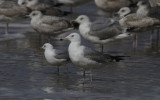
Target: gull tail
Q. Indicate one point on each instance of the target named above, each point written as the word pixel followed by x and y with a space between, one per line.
pixel 59 4
pixel 65 13
pixel 118 58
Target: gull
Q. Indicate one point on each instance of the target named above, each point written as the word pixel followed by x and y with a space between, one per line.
pixel 72 3
pixel 113 5
pixel 85 57
pixel 49 25
pixel 101 31
pixel 146 9
pixel 45 6
pixel 154 3
pixel 54 56
pixel 135 20
pixel 11 12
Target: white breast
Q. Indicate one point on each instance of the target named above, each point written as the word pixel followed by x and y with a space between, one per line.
pixel 84 30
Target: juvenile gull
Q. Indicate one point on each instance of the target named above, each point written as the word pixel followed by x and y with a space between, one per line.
pixel 113 5
pixel 45 6
pixel 49 25
pixel 11 12
pixel 55 57
pixel 146 9
pixel 85 57
pixel 135 20
pixel 101 31
pixel 154 3
pixel 73 3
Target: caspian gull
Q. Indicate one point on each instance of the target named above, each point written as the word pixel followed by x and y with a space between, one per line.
pixel 101 31
pixel 85 57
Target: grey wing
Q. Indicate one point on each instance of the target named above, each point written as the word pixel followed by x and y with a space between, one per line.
pixel 49 2
pixel 108 31
pixel 96 56
pixel 15 11
pixel 53 11
pixel 55 23
pixel 62 54
pixel 8 3
pixel 101 24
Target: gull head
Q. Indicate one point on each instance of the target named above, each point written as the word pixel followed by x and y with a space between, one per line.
pixel 28 3
pixel 47 46
pixel 22 2
pixel 141 3
pixel 82 19
pixel 73 37
pixel 35 14
pixel 124 11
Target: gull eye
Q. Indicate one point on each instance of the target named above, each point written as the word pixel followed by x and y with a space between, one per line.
pixel 81 18
pixel 72 36
pixel 123 10
pixel 34 14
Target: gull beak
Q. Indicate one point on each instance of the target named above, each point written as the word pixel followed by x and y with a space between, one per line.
pixel 41 48
pixel 64 39
pixel 158 4
pixel 75 24
pixel 74 21
pixel 27 16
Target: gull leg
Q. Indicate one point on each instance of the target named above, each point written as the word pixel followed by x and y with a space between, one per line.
pixel 6 31
pixel 49 39
pixel 58 70
pixel 101 48
pixel 157 38
pixel 71 9
pixel 151 36
pixel 91 77
pixel 67 69
pixel 158 35
pixel 135 41
pixel 84 76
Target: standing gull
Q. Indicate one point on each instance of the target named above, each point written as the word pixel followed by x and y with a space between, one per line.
pixel 55 57
pixel 11 12
pixel 154 3
pixel 101 31
pixel 45 6
pixel 72 3
pixel 146 9
pixel 113 5
pixel 135 20
pixel 49 25
pixel 86 58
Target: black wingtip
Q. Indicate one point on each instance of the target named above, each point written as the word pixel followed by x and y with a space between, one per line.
pixel 118 58
pixel 75 24
pixel 59 4
pixel 65 13
pixel 131 29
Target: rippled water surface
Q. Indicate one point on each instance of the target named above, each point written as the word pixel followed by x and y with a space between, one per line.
pixel 25 74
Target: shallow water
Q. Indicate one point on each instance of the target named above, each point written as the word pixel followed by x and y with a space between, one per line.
pixel 25 74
